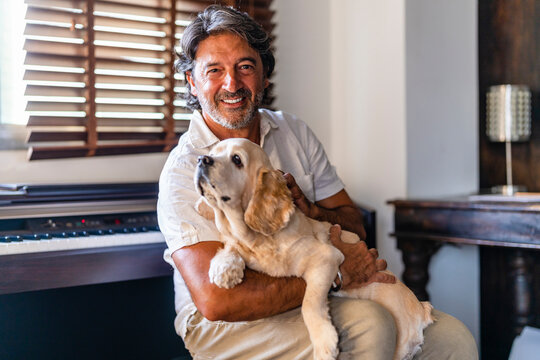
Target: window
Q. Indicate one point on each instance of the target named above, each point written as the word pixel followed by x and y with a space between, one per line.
pixel 99 77
pixel 11 62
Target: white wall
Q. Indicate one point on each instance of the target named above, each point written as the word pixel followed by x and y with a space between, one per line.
pixel 399 117
pixel 302 77
pixel 109 169
pixel 441 91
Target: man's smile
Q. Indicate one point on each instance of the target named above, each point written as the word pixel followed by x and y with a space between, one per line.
pixel 232 101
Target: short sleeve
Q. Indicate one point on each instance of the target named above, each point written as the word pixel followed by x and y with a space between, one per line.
pixel 326 182
pixel 179 222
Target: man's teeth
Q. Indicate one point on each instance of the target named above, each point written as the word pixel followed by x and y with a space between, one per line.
pixel 232 101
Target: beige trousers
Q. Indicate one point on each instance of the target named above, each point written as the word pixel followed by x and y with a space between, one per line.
pixel 366 331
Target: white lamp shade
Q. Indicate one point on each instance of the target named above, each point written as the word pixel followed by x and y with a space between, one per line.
pixel 508 113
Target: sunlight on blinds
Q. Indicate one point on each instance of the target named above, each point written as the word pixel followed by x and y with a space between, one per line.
pixel 11 63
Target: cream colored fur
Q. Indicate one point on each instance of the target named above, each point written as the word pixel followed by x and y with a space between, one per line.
pixel 262 229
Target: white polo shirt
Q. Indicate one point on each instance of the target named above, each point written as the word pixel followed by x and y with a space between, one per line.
pixel 291 146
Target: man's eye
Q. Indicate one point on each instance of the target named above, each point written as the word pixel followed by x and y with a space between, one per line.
pixel 236 160
pixel 246 67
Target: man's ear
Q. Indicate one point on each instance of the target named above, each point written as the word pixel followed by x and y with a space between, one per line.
pixel 271 205
pixel 191 82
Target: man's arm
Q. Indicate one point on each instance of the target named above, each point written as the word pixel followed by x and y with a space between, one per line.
pixel 361 265
pixel 257 296
pixel 336 209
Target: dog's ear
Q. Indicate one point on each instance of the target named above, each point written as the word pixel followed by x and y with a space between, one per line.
pixel 204 209
pixel 271 205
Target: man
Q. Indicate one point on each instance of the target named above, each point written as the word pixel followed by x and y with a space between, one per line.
pixel 227 62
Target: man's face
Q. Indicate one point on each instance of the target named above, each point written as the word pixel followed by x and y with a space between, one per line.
pixel 228 80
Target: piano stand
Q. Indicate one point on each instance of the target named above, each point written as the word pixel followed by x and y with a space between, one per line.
pixel 117 320
pixel 508 234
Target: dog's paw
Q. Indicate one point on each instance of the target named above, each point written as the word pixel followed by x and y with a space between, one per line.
pixel 226 269
pixel 325 353
pixel 326 347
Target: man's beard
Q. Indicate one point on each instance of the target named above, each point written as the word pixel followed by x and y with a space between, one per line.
pixel 233 119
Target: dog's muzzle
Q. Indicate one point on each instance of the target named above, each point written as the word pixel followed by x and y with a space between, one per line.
pixel 201 175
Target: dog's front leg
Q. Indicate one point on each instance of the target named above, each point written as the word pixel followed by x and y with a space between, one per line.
pixel 226 268
pixel 319 277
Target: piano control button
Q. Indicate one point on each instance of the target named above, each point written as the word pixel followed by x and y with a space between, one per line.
pixel 83 233
pixel 45 236
pixel 11 238
pixel 32 237
pixel 143 229
pixel 72 234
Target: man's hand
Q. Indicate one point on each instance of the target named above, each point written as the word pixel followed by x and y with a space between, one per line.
pixel 336 209
pixel 361 266
pixel 299 199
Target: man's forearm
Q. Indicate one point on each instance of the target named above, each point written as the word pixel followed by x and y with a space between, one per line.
pixel 256 297
pixel 347 216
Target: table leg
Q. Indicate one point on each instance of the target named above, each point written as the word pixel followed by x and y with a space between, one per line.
pixel 520 280
pixel 416 256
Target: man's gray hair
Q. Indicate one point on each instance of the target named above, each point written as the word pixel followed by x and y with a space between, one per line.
pixel 217 19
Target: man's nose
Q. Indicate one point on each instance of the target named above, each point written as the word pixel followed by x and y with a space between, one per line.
pixel 231 83
pixel 205 160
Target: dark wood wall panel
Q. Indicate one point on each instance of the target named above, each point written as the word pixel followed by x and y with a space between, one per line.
pixel 509 53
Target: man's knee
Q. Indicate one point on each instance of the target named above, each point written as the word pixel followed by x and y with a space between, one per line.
pixel 448 338
pixel 366 329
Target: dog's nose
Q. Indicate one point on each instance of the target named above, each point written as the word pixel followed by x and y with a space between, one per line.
pixel 205 160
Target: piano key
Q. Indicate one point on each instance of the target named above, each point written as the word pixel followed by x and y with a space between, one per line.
pixel 81 242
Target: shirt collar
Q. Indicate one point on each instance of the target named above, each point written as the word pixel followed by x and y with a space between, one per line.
pixel 199 133
pixel 267 124
pixel 202 137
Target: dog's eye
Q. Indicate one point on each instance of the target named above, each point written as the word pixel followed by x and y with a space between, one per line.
pixel 236 160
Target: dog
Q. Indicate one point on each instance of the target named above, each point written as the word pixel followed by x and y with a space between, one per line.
pixel 261 228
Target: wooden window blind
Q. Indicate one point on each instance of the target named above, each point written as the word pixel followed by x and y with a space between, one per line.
pixel 100 76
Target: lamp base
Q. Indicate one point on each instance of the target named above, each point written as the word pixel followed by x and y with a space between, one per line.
pixel 508 189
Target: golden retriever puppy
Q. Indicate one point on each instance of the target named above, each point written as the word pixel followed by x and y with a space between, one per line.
pixel 261 228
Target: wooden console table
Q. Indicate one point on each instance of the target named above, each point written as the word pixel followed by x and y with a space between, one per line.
pixel 508 234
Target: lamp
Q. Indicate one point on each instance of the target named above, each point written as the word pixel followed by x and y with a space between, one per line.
pixel 508 119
